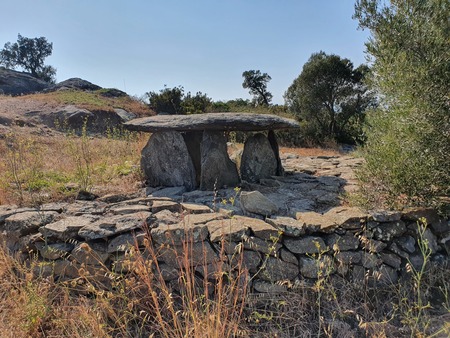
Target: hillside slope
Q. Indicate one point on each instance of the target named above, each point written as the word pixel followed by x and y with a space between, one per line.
pixel 68 105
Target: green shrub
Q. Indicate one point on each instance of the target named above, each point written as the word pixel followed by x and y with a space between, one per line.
pixel 330 96
pixel 408 137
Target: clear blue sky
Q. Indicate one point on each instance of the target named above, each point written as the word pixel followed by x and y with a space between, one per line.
pixel 203 45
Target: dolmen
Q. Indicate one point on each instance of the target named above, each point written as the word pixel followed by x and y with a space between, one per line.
pixel 191 150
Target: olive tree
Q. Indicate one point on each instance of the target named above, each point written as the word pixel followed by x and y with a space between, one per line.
pixel 408 137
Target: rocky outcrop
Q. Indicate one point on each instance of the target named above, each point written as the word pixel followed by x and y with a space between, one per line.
pixel 17 83
pixel 331 169
pixel 37 113
pixel 72 118
pixel 84 85
pixel 112 92
pixel 74 84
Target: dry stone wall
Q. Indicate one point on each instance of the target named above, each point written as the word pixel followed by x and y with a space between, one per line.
pixel 97 236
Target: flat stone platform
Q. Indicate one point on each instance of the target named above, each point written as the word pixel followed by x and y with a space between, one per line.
pixel 211 122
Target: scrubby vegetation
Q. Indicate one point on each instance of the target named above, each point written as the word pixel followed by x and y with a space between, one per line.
pixel 408 138
pixel 175 101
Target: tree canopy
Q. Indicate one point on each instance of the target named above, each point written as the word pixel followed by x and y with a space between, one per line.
pixel 331 98
pixel 408 145
pixel 175 101
pixel 196 104
pixel 256 83
pixel 167 100
pixel 29 54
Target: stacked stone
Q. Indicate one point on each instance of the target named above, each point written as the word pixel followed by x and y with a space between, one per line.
pixel 94 237
pixel 200 159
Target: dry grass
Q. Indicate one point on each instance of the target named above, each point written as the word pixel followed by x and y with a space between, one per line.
pixel 137 301
pixel 311 151
pixel 40 169
pixel 38 307
pixel 13 107
pixel 92 101
pixel 36 169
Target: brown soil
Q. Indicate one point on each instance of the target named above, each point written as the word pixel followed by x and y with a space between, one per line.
pixel 310 151
pixel 13 106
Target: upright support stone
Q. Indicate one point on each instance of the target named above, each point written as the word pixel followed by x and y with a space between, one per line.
pixel 193 140
pixel 165 161
pixel 217 170
pixel 274 144
pixel 258 159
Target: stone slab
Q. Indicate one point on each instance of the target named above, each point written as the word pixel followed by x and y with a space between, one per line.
pixel 29 222
pixel 255 202
pixel 289 226
pixel 126 241
pixel 259 228
pixel 228 229
pixel 66 228
pixel 258 159
pixel 276 270
pixel 211 121
pixel 216 168
pixel 180 233
pixel 165 161
pixel 114 225
pixel 195 208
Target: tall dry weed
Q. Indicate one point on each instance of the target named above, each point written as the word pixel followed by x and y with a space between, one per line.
pixel 37 169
